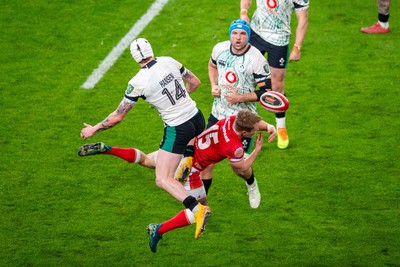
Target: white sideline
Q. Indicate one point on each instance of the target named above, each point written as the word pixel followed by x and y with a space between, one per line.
pixel 117 51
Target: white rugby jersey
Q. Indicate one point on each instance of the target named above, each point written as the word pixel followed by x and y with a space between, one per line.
pixel 271 19
pixel 237 72
pixel 160 84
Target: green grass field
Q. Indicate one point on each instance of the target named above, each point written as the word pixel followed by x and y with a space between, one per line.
pixel 331 199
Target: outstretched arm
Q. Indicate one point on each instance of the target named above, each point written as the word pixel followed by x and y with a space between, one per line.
pixel 111 120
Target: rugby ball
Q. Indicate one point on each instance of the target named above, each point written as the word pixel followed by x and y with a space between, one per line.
pixel 274 102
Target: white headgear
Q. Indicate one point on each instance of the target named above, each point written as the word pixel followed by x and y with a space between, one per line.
pixel 141 49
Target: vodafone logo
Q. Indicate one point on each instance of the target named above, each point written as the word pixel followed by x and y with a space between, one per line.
pixel 271 3
pixel 230 77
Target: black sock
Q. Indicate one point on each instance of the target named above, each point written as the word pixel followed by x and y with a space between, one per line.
pixel 207 184
pixel 383 18
pixel 190 202
pixel 189 151
pixel 251 179
pixel 280 115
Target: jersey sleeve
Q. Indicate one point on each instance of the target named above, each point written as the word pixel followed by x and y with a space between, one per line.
pixel 132 93
pixel 182 69
pixel 174 64
pixel 213 57
pixel 236 153
pixel 261 69
pixel 216 50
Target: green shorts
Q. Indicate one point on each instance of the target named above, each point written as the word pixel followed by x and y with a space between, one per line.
pixel 176 138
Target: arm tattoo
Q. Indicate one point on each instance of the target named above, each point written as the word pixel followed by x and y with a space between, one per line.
pixel 123 107
pixel 188 75
pixel 104 126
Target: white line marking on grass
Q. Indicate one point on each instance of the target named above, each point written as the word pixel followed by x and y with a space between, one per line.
pixel 117 51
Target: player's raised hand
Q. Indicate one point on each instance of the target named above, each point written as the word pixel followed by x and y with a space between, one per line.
pixel 272 133
pixel 258 141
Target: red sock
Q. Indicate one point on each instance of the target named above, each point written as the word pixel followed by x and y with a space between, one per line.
pixel 128 154
pixel 180 220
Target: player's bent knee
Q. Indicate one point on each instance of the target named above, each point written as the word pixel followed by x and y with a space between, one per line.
pixel 160 182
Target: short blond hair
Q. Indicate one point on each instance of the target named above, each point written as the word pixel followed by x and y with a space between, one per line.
pixel 246 120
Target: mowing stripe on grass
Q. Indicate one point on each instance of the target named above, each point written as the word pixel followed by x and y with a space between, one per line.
pixel 117 51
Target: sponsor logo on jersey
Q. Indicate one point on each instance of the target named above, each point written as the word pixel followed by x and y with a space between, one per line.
pixel 266 68
pixel 129 89
pixel 245 143
pixel 239 152
pixel 222 62
pixel 231 77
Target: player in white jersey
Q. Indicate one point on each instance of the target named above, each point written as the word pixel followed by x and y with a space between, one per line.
pixel 235 69
pixel 160 82
pixel 271 34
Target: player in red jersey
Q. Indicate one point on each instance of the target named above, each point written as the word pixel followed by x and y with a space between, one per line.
pixel 222 140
